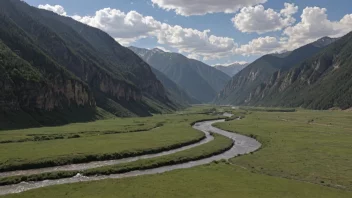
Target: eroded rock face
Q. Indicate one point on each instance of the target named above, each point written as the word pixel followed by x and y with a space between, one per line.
pixel 119 90
pixel 8 100
pixel 47 97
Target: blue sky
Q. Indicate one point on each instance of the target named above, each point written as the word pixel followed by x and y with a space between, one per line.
pixel 273 31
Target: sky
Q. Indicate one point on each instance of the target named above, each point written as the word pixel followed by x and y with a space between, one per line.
pixel 212 31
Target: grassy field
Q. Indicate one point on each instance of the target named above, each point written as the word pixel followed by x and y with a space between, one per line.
pixel 304 154
pixel 217 146
pixel 214 180
pixel 118 125
pixel 175 131
pixel 312 146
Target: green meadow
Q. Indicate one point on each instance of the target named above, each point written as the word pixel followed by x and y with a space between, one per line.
pixel 165 132
pixel 304 154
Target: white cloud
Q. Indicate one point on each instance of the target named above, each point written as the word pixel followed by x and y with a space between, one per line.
pixel 314 25
pixel 257 19
pixel 194 56
pixel 289 10
pixel 129 27
pixel 202 7
pixel 55 8
pixel 260 46
pixel 126 28
pixel 195 42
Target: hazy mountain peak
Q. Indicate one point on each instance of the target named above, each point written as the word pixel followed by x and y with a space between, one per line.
pixel 198 79
pixel 324 41
pixel 231 69
pixel 157 50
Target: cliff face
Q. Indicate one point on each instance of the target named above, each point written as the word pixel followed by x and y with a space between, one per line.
pixel 8 100
pixel 22 87
pixel 48 97
pixel 255 81
pixel 322 81
pixel 60 65
pixel 238 90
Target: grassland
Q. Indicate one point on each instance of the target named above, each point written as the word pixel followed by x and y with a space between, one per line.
pixel 118 125
pixel 304 154
pixel 311 146
pixel 214 180
pixel 219 145
pixel 174 131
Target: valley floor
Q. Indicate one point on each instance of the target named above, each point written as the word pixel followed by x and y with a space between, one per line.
pixel 303 154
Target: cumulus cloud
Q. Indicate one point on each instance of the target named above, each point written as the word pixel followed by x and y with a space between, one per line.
pixel 260 46
pixel 195 42
pixel 257 19
pixel 202 7
pixel 129 27
pixel 126 28
pixel 314 25
pixel 54 8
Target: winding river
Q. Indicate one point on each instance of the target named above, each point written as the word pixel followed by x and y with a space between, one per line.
pixel 243 145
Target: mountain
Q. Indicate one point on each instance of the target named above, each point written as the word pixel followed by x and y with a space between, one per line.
pixel 199 80
pixel 174 92
pixel 322 81
pixel 54 66
pixel 232 69
pixel 241 87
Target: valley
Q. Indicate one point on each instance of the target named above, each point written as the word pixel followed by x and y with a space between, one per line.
pixel 98 99
pixel 286 155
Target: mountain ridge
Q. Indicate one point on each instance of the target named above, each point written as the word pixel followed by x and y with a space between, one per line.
pixel 241 87
pixel 322 81
pixel 232 69
pixel 199 80
pixel 116 79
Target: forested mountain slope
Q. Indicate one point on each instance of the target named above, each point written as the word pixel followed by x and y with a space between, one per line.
pixel 53 64
pixel 199 80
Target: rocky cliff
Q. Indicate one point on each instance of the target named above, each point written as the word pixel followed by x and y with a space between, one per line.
pixel 322 81
pixel 251 84
pixel 59 64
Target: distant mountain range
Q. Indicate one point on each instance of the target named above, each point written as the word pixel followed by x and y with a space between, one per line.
pixel 55 70
pixel 232 69
pixel 251 85
pixel 176 93
pixel 198 79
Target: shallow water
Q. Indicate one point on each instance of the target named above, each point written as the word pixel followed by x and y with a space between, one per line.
pixel 243 145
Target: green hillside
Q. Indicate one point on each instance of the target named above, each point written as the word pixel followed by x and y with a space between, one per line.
pixel 57 65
